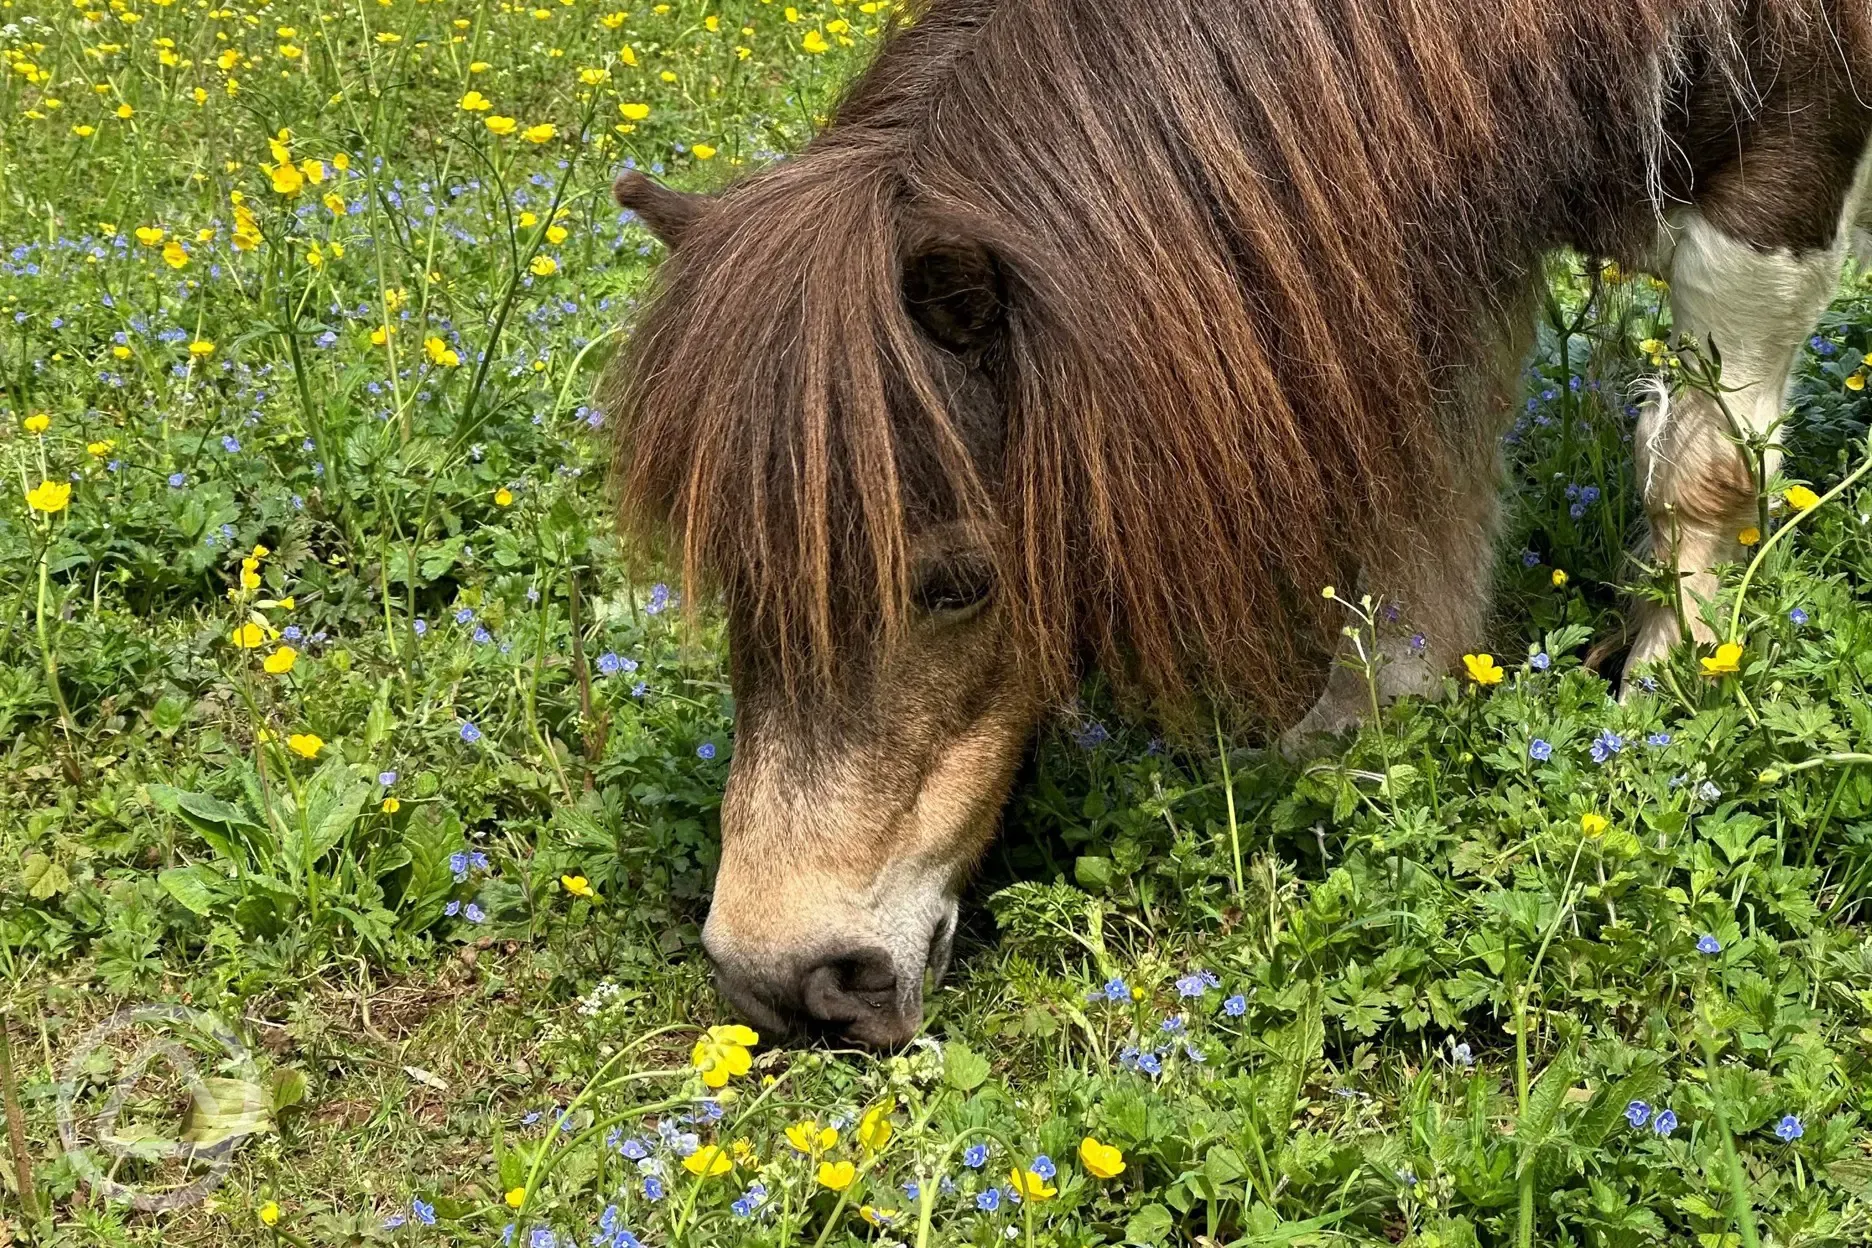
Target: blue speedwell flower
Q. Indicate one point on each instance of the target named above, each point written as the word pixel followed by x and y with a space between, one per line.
pixel 1637 1113
pixel 469 732
pixel 1799 617
pixel 1540 662
pixel 706 750
pixel 1665 1122
pixel 1044 1167
pixel 988 1201
pixel 1790 1129
pixel 1539 750
pixel 975 1156
pixel 1658 740
pixel 1116 989
pixel 1235 1006
pixel 1606 744
pixel 1708 944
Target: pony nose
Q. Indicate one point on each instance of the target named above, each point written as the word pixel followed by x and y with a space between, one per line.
pixel 853 996
pixel 850 993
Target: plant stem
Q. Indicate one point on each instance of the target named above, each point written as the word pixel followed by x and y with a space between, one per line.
pixel 1228 788
pixel 16 1125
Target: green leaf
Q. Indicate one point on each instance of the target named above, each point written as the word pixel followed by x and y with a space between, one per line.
pixel 289 1088
pixel 1094 874
pixel 224 1110
pixel 333 799
pixel 44 879
pixel 1224 1165
pixel 1536 1127
pixel 430 836
pixel 195 887
pixel 219 823
pixel 963 1068
pixel 1149 1225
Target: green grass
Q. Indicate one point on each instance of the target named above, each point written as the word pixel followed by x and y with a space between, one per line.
pixel 1436 986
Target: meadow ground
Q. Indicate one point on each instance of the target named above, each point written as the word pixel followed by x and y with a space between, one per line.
pixel 331 720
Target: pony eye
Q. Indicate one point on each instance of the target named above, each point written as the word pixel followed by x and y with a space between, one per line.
pixel 953 588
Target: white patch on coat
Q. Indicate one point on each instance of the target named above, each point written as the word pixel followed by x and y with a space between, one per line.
pixel 1756 307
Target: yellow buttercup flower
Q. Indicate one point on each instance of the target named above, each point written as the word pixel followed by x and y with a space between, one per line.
pixel 1726 661
pixel 836 1175
pixel 503 497
pixel 150 235
pixel 280 661
pixel 99 449
pixel 814 42
pixel 248 636
pixel 634 112
pixel 201 347
pixel 876 1216
pixel 577 885
pixel 475 102
pixel 1559 578
pixel 1483 669
pixel 500 125
pixel 722 1054
pixel 1102 1161
pixel 555 234
pixel 703 151
pixel 541 133
pixel 516 1196
pixel 874 1129
pixel 543 266
pixel 810 1137
pixel 175 255
pixel 305 744
pixel 1031 1186
pixel 49 496
pixel 708 1161
pixel 1800 498
pixel 1749 536
pixel 391 806
pixel 1593 824
pixel 38 422
pixel 287 177
pixel 439 352
pixel 269 1213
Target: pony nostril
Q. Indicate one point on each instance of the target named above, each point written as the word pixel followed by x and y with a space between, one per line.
pixel 850 987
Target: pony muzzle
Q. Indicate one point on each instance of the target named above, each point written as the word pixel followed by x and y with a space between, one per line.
pixel 851 991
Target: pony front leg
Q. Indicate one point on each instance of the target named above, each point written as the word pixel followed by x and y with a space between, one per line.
pixel 1421 632
pixel 1756 306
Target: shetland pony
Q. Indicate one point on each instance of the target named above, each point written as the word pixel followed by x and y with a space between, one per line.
pixel 1106 332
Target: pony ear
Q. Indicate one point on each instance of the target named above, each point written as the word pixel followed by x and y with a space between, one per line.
pixel 957 293
pixel 668 213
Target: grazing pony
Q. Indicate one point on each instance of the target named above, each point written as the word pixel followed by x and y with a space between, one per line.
pixel 1104 333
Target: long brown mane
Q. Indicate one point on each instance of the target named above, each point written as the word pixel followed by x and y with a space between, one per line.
pixel 1251 249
